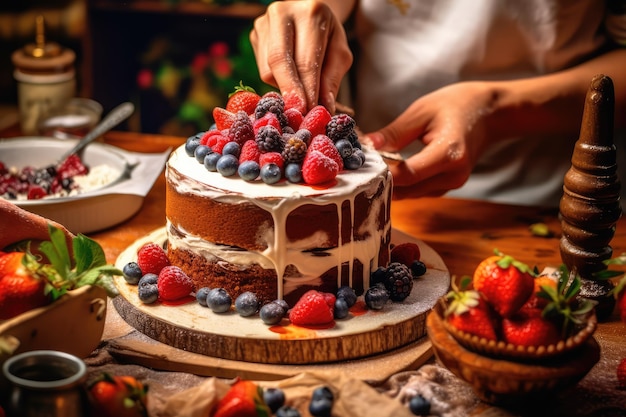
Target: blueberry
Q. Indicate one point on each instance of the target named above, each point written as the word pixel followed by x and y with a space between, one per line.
pixel 378 276
pixel 287 411
pixel 218 300
pixel 148 293
pixel 283 304
pixel 274 398
pixel 376 297
pixel 419 405
pixel 201 296
pixel 293 173
pixel 132 273
pixel 247 304
pixel 352 162
pixel 341 309
pixel 192 143
pixel 348 294
pixel 249 170
pixel 320 406
pixel 344 147
pixel 418 268
pixel 323 392
pixel 227 165
pixel 272 313
pixel 270 173
pixel 201 152
pixel 210 161
pixel 304 135
pixel 148 279
pixel 231 148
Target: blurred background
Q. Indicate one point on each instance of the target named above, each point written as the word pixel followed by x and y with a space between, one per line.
pixel 174 59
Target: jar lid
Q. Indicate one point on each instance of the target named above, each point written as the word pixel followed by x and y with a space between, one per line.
pixel 43 57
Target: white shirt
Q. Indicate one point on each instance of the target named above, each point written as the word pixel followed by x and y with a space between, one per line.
pixel 409 48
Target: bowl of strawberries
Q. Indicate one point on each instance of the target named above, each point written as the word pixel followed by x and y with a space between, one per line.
pixel 513 333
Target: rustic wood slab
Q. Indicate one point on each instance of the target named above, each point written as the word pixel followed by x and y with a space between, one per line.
pixel 193 328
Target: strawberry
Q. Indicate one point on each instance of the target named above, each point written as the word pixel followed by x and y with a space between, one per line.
pixel 535 301
pixel 317 168
pixel 151 258
pixel 621 374
pixel 468 312
pixel 249 152
pixel 20 289
pixel 273 158
pixel 173 283
pixel 325 145
pixel 505 283
pixel 405 253
pixel 619 292
pixel 528 329
pixel 243 399
pixel 117 396
pixel 311 309
pixel 315 120
pixel 223 118
pixel 244 98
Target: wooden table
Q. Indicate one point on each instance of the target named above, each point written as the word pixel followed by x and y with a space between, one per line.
pixel 462 232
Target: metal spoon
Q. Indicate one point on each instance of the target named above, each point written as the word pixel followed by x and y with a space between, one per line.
pixel 115 117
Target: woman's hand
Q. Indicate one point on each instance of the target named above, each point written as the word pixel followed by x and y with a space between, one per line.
pixel 453 123
pixel 302 49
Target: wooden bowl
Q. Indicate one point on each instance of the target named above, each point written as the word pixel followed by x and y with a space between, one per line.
pixel 501 349
pixel 508 382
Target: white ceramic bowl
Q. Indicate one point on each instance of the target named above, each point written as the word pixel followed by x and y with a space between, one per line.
pixel 86 212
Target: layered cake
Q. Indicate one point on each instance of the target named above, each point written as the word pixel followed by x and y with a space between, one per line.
pixel 281 239
pixel 277 240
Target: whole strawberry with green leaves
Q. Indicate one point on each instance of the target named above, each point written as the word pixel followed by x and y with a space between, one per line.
pixel 117 396
pixel 468 311
pixel 26 283
pixel 244 98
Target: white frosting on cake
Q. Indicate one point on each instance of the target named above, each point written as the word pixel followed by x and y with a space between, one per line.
pixel 280 200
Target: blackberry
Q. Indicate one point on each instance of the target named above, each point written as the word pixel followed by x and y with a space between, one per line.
pixel 269 139
pixel 341 126
pixel 294 150
pixel 398 281
pixel 241 130
pixel 271 103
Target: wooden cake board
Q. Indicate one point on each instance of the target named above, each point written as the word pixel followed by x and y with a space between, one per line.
pixel 190 338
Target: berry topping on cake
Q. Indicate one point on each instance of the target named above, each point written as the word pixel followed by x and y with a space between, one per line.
pixel 174 283
pixel 405 253
pixel 152 258
pixel 376 297
pixel 311 309
pixel 340 127
pixel 315 120
pixel 317 168
pixel 398 281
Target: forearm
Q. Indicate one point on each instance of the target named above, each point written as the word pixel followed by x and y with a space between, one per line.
pixel 553 103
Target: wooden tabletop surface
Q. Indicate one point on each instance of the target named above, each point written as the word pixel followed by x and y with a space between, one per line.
pixel 462 232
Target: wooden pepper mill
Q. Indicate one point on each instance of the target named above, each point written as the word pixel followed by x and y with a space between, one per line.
pixel 590 206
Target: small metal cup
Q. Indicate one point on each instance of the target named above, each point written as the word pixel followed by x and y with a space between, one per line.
pixel 46 383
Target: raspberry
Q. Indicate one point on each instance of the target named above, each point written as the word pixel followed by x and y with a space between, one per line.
pixel 292 101
pixel 621 374
pixel 326 146
pixel 269 139
pixel 340 127
pixel 311 309
pixel 219 144
pixel 317 168
pixel 152 258
pixel 71 167
pixel 241 130
pixel 295 150
pixel 173 283
pixel 398 281
pixel 269 119
pixel 294 118
pixel 249 152
pixel 405 253
pixel 207 137
pixel 272 158
pixel 316 120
